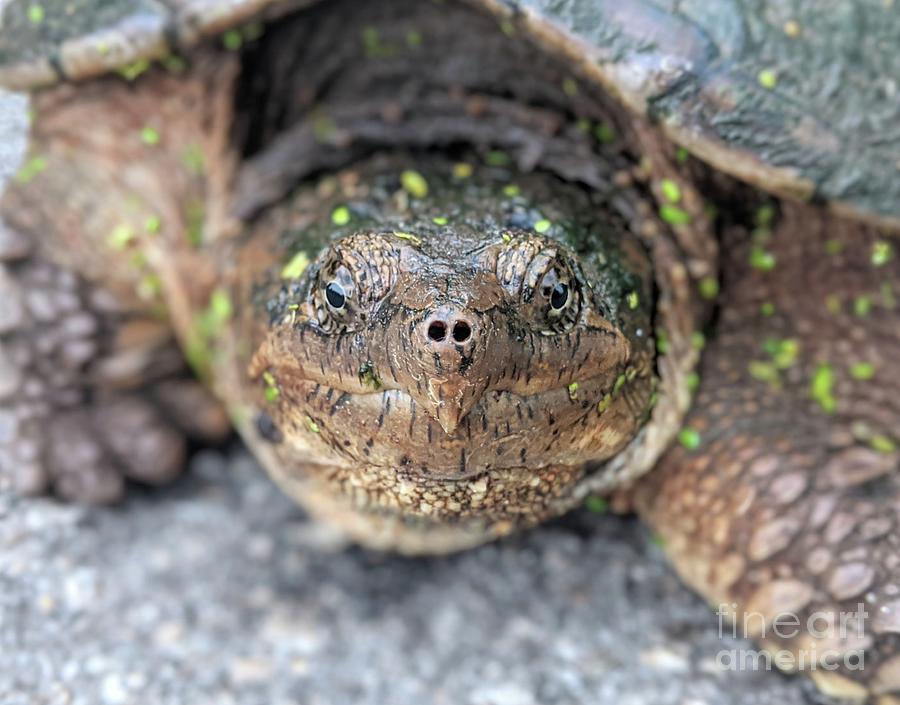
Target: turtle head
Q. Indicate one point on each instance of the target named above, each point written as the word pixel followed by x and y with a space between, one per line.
pixel 451 352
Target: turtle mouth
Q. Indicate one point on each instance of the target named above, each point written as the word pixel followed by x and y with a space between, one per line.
pixel 388 429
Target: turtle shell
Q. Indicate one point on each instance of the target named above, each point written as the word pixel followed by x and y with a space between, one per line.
pixel 45 41
pixel 801 99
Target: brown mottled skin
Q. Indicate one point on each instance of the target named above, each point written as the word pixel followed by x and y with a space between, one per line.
pixel 431 342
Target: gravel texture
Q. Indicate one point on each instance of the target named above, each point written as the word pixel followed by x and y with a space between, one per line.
pixel 218 590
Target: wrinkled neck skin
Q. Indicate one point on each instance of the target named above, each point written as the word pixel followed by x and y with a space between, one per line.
pixel 435 357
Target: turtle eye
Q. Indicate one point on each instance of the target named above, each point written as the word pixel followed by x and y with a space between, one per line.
pixel 559 297
pixel 337 298
pixel 335 295
pixel 556 291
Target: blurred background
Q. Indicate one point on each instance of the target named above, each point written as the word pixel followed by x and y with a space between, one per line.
pixel 218 590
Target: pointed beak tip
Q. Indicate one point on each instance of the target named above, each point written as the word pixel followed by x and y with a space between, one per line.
pixel 449 422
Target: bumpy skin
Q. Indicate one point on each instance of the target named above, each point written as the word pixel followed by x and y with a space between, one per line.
pixel 786 499
pixel 791 501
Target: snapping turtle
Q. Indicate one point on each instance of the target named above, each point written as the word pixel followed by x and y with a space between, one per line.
pixel 453 267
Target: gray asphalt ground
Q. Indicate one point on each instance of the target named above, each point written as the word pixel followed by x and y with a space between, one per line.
pixel 218 591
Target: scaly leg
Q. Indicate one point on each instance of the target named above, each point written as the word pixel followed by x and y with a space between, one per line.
pixel 784 495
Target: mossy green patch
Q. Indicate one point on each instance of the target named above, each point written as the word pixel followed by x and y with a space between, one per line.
pixel 374 47
pixel 134 70
pixel 220 309
pixel 821 388
pixel 881 253
pixel 542 225
pixel 462 170
pixel 662 342
pixel 862 370
pixel 597 505
pixel 324 128
pixel 570 87
pixel 764 372
pixel 270 388
pixel 149 287
pixel 762 259
pixel 670 190
pixel 312 425
pixel 673 215
pixel 153 224
pixel 862 305
pixel 497 157
pixel 709 288
pixel 232 40
pixel 882 444
pixel 834 247
pixel 368 376
pixel 413 39
pixel 764 215
pixel 32 168
pixel 193 160
pixel 767 308
pixel 415 240
pixel 414 183
pixel 36 13
pixel 195 221
pixel 768 78
pixel 604 133
pixel 693 382
pixel 604 403
pixel 783 352
pixel 121 237
pixel 633 300
pixel 573 391
pixel 340 215
pixel 296 266
pixel 690 438
pixel 150 136
pixel 174 64
pixel 833 304
pixel 209 325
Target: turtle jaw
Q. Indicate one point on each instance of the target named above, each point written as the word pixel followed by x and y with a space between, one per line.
pixel 389 430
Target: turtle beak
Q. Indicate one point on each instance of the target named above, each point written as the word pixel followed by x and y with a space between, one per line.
pixel 451 343
pixel 450 400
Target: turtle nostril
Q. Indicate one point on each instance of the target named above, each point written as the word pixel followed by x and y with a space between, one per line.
pixel 461 331
pixel 437 331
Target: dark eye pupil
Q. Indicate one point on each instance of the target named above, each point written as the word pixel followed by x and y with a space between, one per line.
pixel 334 294
pixel 560 296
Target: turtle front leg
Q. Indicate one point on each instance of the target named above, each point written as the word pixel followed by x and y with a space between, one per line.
pixel 781 505
pixel 102 258
pixel 90 391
